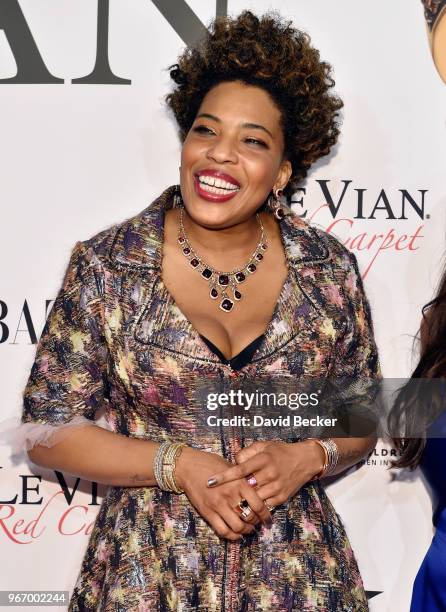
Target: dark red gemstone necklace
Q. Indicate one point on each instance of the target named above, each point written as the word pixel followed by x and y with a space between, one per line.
pixel 222 281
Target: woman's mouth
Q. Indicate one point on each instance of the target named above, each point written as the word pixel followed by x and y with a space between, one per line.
pixel 214 188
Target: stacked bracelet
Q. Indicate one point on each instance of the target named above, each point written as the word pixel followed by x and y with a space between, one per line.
pixel 164 466
pixel 331 452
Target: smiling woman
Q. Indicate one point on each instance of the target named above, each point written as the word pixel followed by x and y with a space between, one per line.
pixel 216 282
pixel 222 140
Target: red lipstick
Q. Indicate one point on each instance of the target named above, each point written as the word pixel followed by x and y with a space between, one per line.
pixel 215 197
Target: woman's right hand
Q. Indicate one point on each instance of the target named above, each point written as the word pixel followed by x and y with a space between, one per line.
pixel 216 506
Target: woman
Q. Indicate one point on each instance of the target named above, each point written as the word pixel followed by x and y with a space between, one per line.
pixel 216 280
pixel 419 413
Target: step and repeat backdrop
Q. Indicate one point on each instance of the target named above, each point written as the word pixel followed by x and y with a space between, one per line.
pixel 87 142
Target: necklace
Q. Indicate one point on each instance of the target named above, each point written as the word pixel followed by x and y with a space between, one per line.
pixel 218 280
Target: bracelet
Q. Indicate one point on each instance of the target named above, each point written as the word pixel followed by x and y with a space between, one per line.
pixel 331 452
pixel 158 465
pixel 164 465
pixel 169 464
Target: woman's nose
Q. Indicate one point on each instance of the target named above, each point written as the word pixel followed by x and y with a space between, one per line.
pixel 223 150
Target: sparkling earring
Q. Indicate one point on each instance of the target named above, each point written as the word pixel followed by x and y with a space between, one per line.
pixel 277 204
pixel 177 199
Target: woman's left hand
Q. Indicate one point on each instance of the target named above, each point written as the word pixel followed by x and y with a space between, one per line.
pixel 280 468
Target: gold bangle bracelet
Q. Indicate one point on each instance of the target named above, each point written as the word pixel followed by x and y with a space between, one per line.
pixel 169 464
pixel 326 460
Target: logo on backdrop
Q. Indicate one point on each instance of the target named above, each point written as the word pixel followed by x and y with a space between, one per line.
pixel 23 327
pixel 74 519
pixel 380 457
pixel 32 69
pixel 355 205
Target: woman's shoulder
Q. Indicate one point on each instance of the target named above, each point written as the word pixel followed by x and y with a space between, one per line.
pixel 329 248
pixel 340 254
pixel 133 243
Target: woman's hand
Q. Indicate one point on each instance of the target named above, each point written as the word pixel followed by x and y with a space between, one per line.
pixel 217 506
pixel 280 468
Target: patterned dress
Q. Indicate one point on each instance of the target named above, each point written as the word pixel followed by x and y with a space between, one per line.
pixel 115 339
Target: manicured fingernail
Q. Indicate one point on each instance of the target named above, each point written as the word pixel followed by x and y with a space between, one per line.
pixel 212 482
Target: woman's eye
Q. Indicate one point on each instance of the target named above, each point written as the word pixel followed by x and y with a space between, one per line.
pixel 255 141
pixel 202 129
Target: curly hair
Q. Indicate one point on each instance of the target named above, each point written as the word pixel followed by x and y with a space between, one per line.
pixel 269 53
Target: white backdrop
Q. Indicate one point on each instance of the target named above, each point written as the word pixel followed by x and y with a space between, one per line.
pixel 76 158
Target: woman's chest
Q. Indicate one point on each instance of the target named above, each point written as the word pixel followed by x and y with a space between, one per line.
pixel 254 303
pixel 150 337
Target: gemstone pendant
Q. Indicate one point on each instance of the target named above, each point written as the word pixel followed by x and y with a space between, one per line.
pixel 226 304
pixel 220 282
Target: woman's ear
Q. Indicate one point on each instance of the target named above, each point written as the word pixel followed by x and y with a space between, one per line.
pixel 284 174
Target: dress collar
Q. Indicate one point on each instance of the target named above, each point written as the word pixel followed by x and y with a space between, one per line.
pixel 138 241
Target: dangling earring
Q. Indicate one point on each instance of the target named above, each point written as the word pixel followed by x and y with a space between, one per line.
pixel 177 199
pixel 277 204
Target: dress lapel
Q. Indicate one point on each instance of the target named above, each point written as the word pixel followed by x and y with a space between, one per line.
pixel 294 310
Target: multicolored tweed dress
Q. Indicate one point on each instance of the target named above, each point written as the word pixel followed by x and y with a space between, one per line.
pixel 116 338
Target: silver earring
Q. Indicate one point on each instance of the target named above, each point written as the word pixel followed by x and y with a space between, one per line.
pixel 277 204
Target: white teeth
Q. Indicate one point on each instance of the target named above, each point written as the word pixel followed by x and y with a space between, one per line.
pixel 216 185
pixel 217 190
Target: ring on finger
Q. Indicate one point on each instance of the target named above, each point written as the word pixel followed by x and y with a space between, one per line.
pixel 252 480
pixel 244 509
pixel 269 506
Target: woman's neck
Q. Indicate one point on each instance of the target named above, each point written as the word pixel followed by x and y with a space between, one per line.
pixel 228 247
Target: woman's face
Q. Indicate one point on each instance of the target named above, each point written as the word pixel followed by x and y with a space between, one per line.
pixel 233 155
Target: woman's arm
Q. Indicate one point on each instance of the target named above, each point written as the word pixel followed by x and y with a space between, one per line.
pixel 351 451
pixel 102 456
